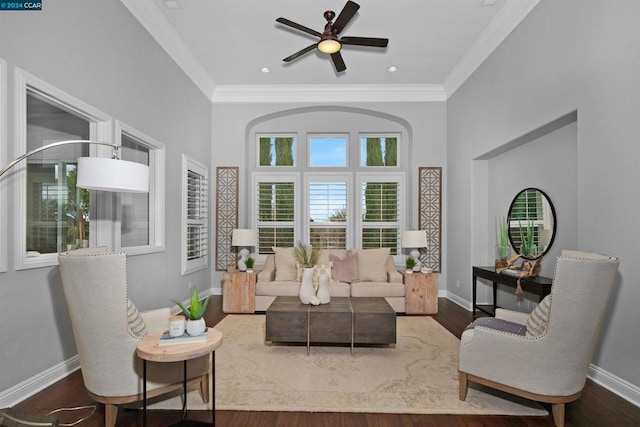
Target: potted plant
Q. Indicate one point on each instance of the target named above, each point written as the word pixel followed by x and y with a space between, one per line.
pixel 249 263
pixel 409 263
pixel 527 242
pixel 306 256
pixel 195 322
pixel 502 243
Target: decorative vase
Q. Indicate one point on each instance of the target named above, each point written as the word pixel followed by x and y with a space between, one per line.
pixel 324 294
pixel 196 327
pixel 307 291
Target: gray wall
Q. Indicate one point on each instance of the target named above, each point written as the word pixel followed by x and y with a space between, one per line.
pixel 97 52
pixel 565 56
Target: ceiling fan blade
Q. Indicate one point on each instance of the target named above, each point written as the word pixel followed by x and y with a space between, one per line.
pixel 297 26
pixel 338 62
pixel 365 41
pixel 300 53
pixel 345 16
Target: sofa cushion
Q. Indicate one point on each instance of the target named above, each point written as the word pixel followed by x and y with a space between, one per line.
pixel 377 289
pixel 278 288
pixel 539 318
pixel 323 255
pixel 372 264
pixel 344 270
pixel 285 264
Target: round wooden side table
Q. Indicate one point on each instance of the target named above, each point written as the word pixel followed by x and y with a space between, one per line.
pixel 149 350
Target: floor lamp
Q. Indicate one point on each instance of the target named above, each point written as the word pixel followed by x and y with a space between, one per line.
pixel 94 173
pixel 100 173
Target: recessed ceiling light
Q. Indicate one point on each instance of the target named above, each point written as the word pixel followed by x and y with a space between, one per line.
pixel 265 70
pixel 392 69
pixel 172 4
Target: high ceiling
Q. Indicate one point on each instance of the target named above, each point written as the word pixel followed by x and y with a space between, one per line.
pixel 226 43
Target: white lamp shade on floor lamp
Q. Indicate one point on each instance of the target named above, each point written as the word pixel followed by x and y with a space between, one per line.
pixel 100 173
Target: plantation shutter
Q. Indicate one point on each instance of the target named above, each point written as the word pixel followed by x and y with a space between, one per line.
pixel 276 214
pixel 328 215
pixel 196 216
pixel 380 207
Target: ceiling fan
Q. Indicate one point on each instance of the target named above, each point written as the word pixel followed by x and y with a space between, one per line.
pixel 329 43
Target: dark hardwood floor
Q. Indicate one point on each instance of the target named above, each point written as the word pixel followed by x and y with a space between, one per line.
pixel 596 408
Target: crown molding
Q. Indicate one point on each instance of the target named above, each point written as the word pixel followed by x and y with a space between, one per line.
pixel 152 19
pixel 505 21
pixel 328 93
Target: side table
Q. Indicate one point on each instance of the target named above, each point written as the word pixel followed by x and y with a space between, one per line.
pixel 149 350
pixel 239 292
pixel 421 293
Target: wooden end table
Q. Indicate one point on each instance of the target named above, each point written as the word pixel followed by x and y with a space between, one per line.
pixel 421 293
pixel 149 350
pixel 239 292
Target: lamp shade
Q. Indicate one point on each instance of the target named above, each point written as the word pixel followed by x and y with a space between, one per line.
pixel 244 237
pixel 414 239
pixel 100 173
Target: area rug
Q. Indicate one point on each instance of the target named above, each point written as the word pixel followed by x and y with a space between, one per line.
pixel 419 375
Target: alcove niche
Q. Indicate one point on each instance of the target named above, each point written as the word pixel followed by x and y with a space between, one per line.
pixel 545 158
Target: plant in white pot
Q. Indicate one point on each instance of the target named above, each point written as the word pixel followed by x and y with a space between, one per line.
pixel 195 321
pixel 409 263
pixel 306 256
pixel 249 263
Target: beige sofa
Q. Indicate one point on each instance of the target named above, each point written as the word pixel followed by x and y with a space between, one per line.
pixel 376 272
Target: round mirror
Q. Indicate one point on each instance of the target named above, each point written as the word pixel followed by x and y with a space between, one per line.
pixel 532 223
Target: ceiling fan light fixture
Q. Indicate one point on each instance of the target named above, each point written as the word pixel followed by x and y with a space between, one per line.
pixel 329 46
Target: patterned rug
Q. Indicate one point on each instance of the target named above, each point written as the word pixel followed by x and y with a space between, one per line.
pixel 417 376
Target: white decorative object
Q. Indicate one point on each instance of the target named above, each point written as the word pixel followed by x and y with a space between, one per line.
pixel 243 237
pixel 307 290
pixel 196 327
pixel 324 293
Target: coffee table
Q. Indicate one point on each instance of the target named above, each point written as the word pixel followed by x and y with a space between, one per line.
pixel 346 320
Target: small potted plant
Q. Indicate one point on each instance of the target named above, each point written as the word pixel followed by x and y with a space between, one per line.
pixel 195 322
pixel 502 243
pixel 249 263
pixel 527 240
pixel 409 264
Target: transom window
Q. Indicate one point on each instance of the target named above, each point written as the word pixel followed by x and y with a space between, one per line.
pixel 328 151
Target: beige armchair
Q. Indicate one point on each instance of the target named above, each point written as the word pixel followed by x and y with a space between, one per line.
pixel 551 361
pixel 107 328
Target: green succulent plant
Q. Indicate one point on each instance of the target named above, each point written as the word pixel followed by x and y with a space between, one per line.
pixel 502 238
pixel 196 308
pixel 410 263
pixel 249 262
pixel 305 255
pixel 527 242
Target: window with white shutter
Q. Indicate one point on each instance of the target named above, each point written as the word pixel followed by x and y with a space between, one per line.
pixel 195 215
pixel 275 209
pixel 328 212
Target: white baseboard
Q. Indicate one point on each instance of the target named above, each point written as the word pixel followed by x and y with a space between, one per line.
pixel 458 300
pixel 616 385
pixel 33 385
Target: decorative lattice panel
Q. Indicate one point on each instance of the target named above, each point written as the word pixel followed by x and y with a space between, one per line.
pixel 226 214
pixel 430 213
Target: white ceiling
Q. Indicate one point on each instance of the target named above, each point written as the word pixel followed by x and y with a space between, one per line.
pixel 223 44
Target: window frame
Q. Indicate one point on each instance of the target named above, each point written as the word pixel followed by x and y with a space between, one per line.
pixel 190 266
pixel 157 155
pixel 100 125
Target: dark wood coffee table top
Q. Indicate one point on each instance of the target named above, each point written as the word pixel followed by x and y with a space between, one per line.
pixel 345 320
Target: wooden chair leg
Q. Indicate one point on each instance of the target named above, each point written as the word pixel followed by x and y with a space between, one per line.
pixel 110 415
pixel 463 384
pixel 557 409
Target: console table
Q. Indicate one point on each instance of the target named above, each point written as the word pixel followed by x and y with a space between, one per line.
pixel 540 286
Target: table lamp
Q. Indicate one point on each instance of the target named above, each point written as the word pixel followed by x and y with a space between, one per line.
pixel 243 238
pixel 415 240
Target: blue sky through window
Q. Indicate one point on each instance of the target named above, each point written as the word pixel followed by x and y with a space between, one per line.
pixel 328 151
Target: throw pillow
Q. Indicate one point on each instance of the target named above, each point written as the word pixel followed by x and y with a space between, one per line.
pixel 285 264
pixel 539 318
pixel 372 264
pixel 136 322
pixel 344 270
